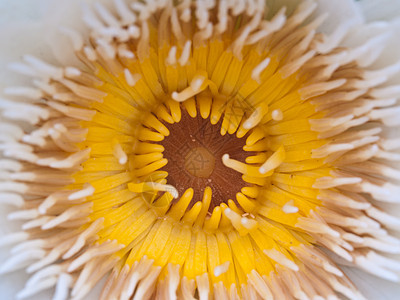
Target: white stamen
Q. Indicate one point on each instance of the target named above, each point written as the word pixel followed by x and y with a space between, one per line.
pixel 289 208
pixel 87 191
pixel 185 53
pixel 383 217
pixel 143 45
pixel 316 226
pixel 334 39
pixel 69 214
pixel 11 186
pixel 383 261
pixel 222 16
pixel 35 223
pixel 130 78
pixel 343 127
pixel 375 269
pixel 234 217
pixel 389 116
pixel 390 144
pixel 137 272
pixel 239 7
pixel 21 260
pixel 106 49
pixel 176 26
pixel 196 83
pixel 23 111
pixel 43 285
pixel 171 59
pixel 72 160
pixel 23 69
pixel 260 284
pixel 44 67
pixel 295 65
pixel 90 18
pixel 10 132
pixel 110 33
pixel 203 286
pixel 72 72
pixel 28 92
pixel 353 238
pixel 13 238
pixel 84 91
pixel 10 165
pixel 145 289
pixel 143 9
pixel 81 240
pixel 43 273
pixel 120 154
pixel 340 199
pixel 330 182
pixel 280 258
pixel 124 52
pixel 64 283
pixel 73 112
pixel 386 193
pixel 75 37
pixel 11 199
pixel 249 224
pixel 304 45
pixel 156 186
pixel 29 244
pixel 186 15
pixel 240 41
pixel 128 17
pixel 134 31
pixel 27 214
pixel 173 280
pixel 328 149
pixel 106 248
pixel 196 86
pixel 381 245
pixel 386 155
pixel 268 27
pixel 325 124
pixel 90 53
pixel 256 73
pixel 385 72
pixel 386 92
pixel 106 15
pixel 372 49
pixel 273 161
pixel 317 89
pixel 277 115
pixel 221 269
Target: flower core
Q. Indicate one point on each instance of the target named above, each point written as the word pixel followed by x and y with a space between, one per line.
pixel 194 150
pixel 202 150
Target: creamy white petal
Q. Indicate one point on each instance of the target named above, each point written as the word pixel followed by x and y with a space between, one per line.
pixel 371 286
pixel 374 10
pixel 339 12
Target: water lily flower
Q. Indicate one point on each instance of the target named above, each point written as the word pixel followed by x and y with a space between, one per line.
pixel 231 149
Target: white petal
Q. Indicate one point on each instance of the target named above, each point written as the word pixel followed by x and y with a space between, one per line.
pixel 380 9
pixel 371 286
pixel 340 12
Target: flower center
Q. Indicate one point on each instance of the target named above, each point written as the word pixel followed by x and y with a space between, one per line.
pixel 194 150
pixel 200 162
